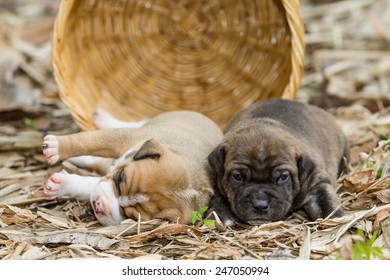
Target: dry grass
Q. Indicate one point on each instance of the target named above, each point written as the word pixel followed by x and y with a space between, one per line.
pixel 347 71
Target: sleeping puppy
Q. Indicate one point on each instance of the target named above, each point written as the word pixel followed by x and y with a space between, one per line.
pixel 161 168
pixel 276 157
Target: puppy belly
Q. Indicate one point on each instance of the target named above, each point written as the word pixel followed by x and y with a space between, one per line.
pixel 64 184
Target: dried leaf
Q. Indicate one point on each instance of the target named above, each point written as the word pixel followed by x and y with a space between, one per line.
pixel 380 217
pixel 24 214
pixel 63 236
pixel 283 254
pixel 57 221
pixel 360 181
pixel 36 253
pixel 164 230
pixel 128 228
pixel 214 252
pixel 386 232
pixel 383 195
pixel 153 257
pixel 85 251
pixel 305 250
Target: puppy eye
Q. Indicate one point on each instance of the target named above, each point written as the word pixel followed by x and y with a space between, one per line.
pixel 284 178
pixel 118 177
pixel 237 177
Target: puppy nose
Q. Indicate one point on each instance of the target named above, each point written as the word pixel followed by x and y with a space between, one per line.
pixel 260 204
pixel 98 206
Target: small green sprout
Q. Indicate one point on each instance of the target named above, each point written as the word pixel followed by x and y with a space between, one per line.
pixel 379 171
pixel 197 216
pixel 28 122
pixel 363 250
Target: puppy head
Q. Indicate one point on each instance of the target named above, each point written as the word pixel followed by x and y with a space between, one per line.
pixel 257 171
pixel 151 182
pixel 105 204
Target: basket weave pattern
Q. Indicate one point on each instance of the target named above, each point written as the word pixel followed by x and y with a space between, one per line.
pixel 137 59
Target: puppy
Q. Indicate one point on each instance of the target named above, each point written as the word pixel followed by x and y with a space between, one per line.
pixel 161 170
pixel 276 157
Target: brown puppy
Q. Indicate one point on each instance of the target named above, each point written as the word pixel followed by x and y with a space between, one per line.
pixel 276 157
pixel 161 168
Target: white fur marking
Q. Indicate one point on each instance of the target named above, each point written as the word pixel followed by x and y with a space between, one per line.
pixel 133 200
pixel 228 223
pixel 188 194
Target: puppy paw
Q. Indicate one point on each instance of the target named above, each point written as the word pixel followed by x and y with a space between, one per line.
pixel 57 185
pixel 102 119
pixel 50 149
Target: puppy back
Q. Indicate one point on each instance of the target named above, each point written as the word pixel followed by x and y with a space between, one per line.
pixel 312 125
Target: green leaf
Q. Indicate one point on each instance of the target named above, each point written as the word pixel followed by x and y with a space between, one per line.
pixel 363 250
pixel 195 217
pixel 209 223
pixel 360 232
pixel 372 239
pixel 377 253
pixel 379 171
pixel 202 210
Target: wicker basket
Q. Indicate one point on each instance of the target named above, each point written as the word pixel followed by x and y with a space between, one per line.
pixel 138 58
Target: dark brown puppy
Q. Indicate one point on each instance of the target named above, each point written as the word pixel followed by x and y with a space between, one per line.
pixel 278 156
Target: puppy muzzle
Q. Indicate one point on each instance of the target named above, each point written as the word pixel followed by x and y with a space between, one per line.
pixel 257 205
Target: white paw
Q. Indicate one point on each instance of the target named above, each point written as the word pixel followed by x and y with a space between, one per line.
pixel 72 185
pixel 102 119
pixel 228 223
pixel 50 149
pixel 57 185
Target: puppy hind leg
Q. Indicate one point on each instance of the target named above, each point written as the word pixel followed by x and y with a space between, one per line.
pixel 108 143
pixel 322 201
pixel 103 119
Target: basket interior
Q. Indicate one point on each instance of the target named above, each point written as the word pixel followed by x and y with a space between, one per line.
pixel 137 59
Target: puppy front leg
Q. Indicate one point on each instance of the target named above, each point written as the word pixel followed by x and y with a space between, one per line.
pixel 221 207
pixel 321 201
pixel 109 143
pixel 64 184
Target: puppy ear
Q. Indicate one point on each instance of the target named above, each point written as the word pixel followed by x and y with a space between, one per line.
pixel 305 169
pixel 150 149
pixel 217 159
